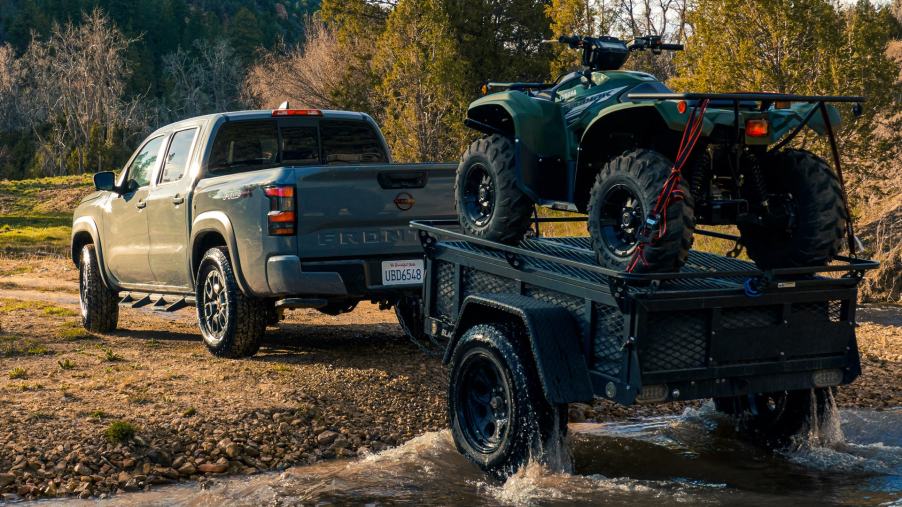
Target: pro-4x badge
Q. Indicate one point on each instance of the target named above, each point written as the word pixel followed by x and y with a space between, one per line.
pixel 404 201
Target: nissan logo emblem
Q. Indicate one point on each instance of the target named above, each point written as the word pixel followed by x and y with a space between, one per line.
pixel 404 201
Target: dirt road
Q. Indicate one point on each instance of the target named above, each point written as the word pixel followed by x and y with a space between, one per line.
pixel 321 387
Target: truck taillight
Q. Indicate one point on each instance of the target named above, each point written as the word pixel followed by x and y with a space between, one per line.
pixel 282 216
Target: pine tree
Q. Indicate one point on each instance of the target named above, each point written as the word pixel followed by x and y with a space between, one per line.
pixel 245 34
pixel 422 84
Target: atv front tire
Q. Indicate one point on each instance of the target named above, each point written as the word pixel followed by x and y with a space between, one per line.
pixel 816 201
pixel 625 191
pixel 232 324
pixel 488 202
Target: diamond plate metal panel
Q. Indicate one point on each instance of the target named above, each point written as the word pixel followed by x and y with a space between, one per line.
pixel 609 323
pixel 674 341
pixel 479 282
pixel 444 290
pixel 575 305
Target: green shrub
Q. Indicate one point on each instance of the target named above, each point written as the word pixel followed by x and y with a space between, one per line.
pixel 119 432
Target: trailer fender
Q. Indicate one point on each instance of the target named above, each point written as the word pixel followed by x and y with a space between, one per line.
pixel 554 341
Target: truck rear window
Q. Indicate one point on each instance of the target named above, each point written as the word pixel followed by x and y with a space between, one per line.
pixel 351 142
pixel 255 144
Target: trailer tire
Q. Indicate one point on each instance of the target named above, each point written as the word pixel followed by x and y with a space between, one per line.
pixel 99 304
pixel 498 414
pixel 625 191
pixel 231 323
pixel 817 201
pixel 774 418
pixel 488 201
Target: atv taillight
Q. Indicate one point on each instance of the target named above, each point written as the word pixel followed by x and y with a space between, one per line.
pixel 282 217
pixel 756 128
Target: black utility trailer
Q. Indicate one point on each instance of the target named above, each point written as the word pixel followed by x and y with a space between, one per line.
pixel 530 328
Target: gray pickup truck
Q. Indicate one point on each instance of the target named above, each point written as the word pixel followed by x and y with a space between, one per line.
pixel 244 214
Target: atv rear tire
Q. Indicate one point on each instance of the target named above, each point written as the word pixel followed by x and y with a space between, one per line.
pixel 625 191
pixel 232 324
pixel 488 202
pixel 816 235
pixel 774 418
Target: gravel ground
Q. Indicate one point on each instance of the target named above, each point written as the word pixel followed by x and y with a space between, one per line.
pixel 322 387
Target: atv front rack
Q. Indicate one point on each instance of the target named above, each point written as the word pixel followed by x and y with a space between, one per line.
pixel 574 256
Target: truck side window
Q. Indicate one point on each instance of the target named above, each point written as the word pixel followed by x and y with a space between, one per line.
pixel 351 142
pixel 177 157
pixel 245 145
pixel 299 145
pixel 145 162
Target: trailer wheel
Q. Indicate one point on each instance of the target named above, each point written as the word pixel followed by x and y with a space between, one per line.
pixel 99 304
pixel 625 191
pixel 499 416
pixel 488 202
pixel 774 418
pixel 815 204
pixel 232 324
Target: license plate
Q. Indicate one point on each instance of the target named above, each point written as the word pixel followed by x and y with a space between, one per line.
pixel 402 272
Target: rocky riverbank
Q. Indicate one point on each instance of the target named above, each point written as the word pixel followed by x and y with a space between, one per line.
pixel 96 415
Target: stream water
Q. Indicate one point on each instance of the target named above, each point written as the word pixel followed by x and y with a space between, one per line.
pixel 693 458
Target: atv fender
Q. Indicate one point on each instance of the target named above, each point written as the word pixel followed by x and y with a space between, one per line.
pixel 540 135
pixel 552 335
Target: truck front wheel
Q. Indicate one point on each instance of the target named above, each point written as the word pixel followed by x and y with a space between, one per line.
pixel 499 416
pixel 489 204
pixel 99 304
pixel 232 324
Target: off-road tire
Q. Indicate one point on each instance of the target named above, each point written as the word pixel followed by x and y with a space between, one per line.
pixel 409 311
pixel 99 304
pixel 821 216
pixel 774 418
pixel 512 209
pixel 534 423
pixel 643 172
pixel 243 325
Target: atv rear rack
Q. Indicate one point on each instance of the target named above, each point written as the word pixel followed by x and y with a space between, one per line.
pixel 574 256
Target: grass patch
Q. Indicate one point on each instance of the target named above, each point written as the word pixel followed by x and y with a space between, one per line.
pixel 189 412
pixel 76 333
pixel 58 311
pixel 18 373
pixel 110 356
pixel 280 368
pixel 11 346
pixel 40 416
pixel 98 414
pixel 66 364
pixel 120 432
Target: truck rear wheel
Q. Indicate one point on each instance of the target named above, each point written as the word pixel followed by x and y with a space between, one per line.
pixel 817 214
pixel 99 304
pixel 488 202
pixel 232 324
pixel 774 418
pixel 625 191
pixel 499 416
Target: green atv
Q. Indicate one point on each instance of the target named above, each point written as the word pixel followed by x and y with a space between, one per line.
pixel 646 164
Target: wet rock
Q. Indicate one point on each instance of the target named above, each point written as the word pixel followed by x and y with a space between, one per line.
pixel 159 457
pixel 123 477
pixel 187 469
pixel 233 450
pixel 213 468
pixel 7 479
pixel 326 437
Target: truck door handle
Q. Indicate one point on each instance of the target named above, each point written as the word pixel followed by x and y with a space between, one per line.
pixel 177 199
pixel 141 205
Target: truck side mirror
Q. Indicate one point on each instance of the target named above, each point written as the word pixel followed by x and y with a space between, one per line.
pixel 105 180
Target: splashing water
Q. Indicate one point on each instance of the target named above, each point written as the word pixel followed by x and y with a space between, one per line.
pixel 694 458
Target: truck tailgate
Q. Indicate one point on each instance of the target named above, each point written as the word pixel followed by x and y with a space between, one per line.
pixel 365 210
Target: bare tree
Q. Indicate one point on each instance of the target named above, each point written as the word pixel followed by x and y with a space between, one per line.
pixel 306 75
pixel 207 81
pixel 73 94
pixel 10 82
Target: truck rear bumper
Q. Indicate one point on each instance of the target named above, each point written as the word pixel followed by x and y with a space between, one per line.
pixel 285 278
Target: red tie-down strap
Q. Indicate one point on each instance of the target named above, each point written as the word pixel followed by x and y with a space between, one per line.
pixel 655 226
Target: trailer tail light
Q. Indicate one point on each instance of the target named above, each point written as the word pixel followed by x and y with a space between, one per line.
pixel 756 128
pixel 654 393
pixel 282 216
pixel 297 112
pixel 827 378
